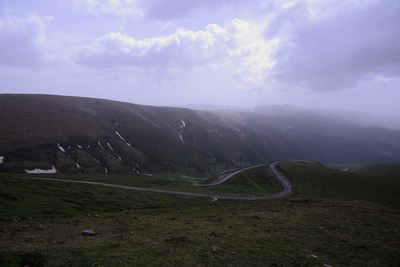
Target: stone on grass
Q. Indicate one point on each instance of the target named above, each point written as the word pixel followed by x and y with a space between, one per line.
pixel 87 232
pixel 215 248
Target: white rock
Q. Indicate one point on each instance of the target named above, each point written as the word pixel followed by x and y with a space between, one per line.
pixel 37 171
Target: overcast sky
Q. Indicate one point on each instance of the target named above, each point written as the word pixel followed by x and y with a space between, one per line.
pixel 331 54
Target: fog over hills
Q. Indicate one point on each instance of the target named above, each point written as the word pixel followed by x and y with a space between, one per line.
pixel 75 134
pixel 361 118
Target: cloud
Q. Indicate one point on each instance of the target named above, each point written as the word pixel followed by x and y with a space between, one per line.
pixel 327 47
pixel 292 44
pixel 154 9
pixel 23 40
pixel 172 9
pixel 236 52
pixel 181 49
pixel 116 7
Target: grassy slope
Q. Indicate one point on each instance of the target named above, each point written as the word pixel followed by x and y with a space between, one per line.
pixel 315 181
pixel 391 171
pixel 135 228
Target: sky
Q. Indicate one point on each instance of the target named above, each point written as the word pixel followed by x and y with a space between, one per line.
pixel 321 54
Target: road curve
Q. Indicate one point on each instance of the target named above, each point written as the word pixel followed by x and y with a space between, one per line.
pixel 224 178
pixel 287 187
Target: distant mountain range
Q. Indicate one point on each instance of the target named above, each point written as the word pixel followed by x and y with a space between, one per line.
pixel 45 133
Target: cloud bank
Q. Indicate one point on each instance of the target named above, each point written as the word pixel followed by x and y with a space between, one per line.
pixel 237 50
pixel 316 45
pixel 340 46
pixel 303 51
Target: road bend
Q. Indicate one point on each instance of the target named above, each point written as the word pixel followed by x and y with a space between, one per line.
pixel 274 170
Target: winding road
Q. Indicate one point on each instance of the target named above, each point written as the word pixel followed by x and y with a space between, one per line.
pixel 279 175
pixel 223 178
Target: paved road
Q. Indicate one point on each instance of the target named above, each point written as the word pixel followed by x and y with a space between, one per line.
pixel 287 191
pixel 223 178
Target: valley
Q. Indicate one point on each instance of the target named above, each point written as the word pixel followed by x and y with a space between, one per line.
pixel 87 182
pixel 200 133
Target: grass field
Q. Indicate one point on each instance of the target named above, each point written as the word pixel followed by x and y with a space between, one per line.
pixel 315 181
pixel 325 223
pixel 391 171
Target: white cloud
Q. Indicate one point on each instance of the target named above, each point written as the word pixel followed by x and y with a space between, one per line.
pixel 237 53
pixel 116 7
pixel 180 49
pixel 292 44
pixel 23 40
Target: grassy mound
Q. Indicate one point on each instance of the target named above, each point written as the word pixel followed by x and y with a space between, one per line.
pixel 391 171
pixel 316 181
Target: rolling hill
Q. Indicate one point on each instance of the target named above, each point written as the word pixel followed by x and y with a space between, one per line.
pixel 74 134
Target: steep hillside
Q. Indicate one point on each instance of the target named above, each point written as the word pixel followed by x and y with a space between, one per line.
pixel 73 134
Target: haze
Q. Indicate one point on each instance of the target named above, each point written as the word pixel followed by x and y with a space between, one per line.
pixel 320 54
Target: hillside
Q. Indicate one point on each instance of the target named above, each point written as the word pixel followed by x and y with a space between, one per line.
pixel 318 181
pixel 74 134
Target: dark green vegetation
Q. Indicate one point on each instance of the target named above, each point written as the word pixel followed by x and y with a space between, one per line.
pixel 316 181
pixel 326 224
pixel 391 171
pixel 99 136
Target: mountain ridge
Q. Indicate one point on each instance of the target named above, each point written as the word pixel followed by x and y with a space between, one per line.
pixel 79 134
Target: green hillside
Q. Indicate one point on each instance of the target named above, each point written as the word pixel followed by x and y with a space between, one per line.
pixel 317 181
pixel 391 171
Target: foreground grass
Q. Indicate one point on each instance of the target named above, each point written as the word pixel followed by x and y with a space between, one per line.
pixel 42 221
